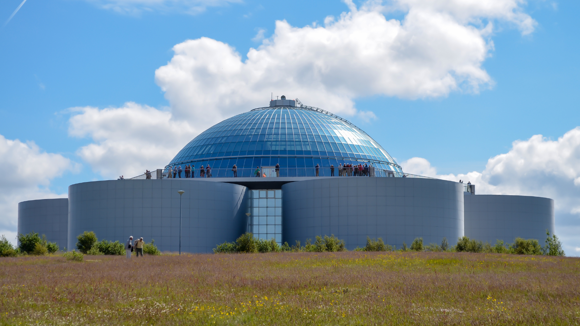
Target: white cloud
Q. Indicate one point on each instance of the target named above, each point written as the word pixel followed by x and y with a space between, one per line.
pixel 535 167
pixel 260 35
pixel 28 172
pixel 129 139
pixel 436 49
pixel 135 7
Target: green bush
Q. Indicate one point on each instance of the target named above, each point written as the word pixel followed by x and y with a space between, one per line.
pixel 151 248
pixel 334 244
pixel 51 247
pixel 226 248
pixel 94 251
pixel 464 244
pixel 376 245
pixel 247 243
pixel 404 248
pixel 28 242
pixel 444 244
pixel 6 248
pixel 286 247
pixel 109 248
pixel 417 244
pixel 526 247
pixel 73 255
pixel 433 247
pixel 39 250
pixel 553 246
pixel 500 248
pixel 86 241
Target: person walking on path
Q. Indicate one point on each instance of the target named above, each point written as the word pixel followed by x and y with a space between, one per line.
pixel 170 172
pixel 277 170
pixel 317 169
pixel 129 247
pixel 331 170
pixel 235 170
pixel 139 246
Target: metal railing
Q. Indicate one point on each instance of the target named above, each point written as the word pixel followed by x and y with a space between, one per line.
pixel 271 172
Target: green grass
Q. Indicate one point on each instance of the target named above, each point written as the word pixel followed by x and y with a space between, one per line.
pixel 349 288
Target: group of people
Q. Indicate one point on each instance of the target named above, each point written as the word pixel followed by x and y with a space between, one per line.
pixel 137 247
pixel 176 171
pixel 354 170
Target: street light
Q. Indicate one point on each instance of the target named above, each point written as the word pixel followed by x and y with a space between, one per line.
pixel 180 192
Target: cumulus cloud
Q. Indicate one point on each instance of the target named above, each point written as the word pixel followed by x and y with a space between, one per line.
pixel 129 139
pixel 28 172
pixel 135 7
pixel 438 48
pixel 536 167
pixel 434 50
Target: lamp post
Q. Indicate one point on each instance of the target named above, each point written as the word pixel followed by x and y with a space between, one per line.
pixel 180 192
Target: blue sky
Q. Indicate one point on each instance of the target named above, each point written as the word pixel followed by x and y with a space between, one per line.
pixel 63 62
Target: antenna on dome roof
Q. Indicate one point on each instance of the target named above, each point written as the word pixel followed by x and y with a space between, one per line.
pixel 272 96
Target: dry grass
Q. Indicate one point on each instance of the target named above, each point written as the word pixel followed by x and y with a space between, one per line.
pixel 351 288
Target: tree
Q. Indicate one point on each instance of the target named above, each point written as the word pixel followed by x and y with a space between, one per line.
pixel 6 248
pixel 86 241
pixel 444 244
pixel 417 244
pixel 27 242
pixel 553 246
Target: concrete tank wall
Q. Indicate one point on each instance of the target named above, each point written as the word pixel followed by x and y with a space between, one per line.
pixel 500 217
pixel 212 212
pixel 45 216
pixel 396 209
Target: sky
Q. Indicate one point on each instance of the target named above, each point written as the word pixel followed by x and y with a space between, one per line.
pixel 481 91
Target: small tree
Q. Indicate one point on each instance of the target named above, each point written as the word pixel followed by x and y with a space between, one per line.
pixel 417 244
pixel 39 250
pixel 464 244
pixel 526 247
pixel 444 244
pixel 151 248
pixel 553 246
pixel 110 248
pixel 86 241
pixel 6 248
pixel 405 248
pixel 247 243
pixel 499 247
pixel 28 242
pixel 94 251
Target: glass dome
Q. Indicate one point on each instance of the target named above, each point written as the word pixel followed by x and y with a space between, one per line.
pixel 296 137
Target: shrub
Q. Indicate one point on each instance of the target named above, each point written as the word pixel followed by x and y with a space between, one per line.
pixel 51 247
pixel 433 247
pixel 286 247
pixel 296 247
pixel 417 244
pixel 375 245
pixel 247 243
pixel 94 251
pixel 334 244
pixel 109 248
pixel 6 248
pixel 86 241
pixel 39 250
pixel 464 244
pixel 444 244
pixel 500 248
pixel 526 247
pixel 553 246
pixel 319 245
pixel 151 248
pixel 225 248
pixel 28 242
pixel 73 255
pixel 404 248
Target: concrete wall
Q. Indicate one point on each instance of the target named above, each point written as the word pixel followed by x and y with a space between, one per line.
pixel 396 209
pixel 114 210
pixel 45 216
pixel 492 217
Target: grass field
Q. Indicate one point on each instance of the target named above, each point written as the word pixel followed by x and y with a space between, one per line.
pixel 349 288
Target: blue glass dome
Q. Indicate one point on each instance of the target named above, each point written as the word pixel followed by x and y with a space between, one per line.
pixel 296 137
